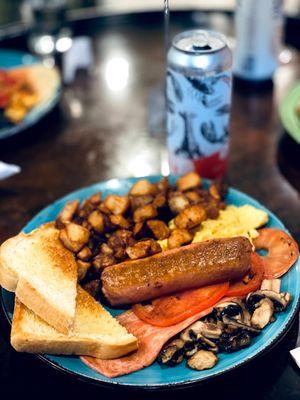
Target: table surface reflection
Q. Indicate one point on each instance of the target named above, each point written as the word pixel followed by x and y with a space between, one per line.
pixel 108 125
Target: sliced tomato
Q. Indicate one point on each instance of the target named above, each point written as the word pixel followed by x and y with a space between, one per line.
pixel 170 310
pixel 251 282
pixel 282 250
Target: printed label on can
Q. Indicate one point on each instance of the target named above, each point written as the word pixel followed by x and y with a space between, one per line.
pixel 197 122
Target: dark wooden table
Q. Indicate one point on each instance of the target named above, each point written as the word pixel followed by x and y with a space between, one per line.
pixel 98 133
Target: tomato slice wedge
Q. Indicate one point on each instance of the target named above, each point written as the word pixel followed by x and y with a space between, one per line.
pixel 251 282
pixel 282 250
pixel 170 310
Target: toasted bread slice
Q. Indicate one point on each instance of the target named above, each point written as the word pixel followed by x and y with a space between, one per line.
pixel 43 274
pixel 95 332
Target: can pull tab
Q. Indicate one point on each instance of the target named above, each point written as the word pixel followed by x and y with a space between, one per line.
pixel 201 43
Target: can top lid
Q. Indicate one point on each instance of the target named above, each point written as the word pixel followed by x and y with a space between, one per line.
pixel 199 41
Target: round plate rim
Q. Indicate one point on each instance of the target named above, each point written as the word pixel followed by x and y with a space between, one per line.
pixel 48 106
pixel 159 386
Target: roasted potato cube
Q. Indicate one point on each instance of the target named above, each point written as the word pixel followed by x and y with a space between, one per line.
pixel 117 205
pixel 190 217
pixel 212 208
pixel 193 197
pixel 105 249
pixel 139 201
pixel 67 213
pixel 163 185
pixel 143 187
pixel 189 181
pixel 120 239
pixel 82 269
pixel 95 198
pixel 74 237
pixel 85 254
pixel 221 186
pixel 92 287
pixel 97 222
pixel 144 213
pixel 179 237
pixel 178 202
pixel 120 221
pixel 143 249
pixel 213 190
pixel 104 209
pixel 160 200
pixel 102 261
pixel 159 229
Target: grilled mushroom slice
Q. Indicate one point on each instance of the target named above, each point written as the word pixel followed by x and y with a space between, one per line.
pixel 172 354
pixel 231 322
pixel 280 300
pixel 230 342
pixel 263 313
pixel 202 359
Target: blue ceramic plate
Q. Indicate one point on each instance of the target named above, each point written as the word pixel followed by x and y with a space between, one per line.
pixel 12 59
pixel 155 376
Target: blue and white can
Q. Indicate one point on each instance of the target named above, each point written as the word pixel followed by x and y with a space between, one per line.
pixel 198 96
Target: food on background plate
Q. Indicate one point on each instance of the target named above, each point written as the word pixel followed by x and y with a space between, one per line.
pixel 95 332
pixel 43 274
pixel 23 88
pixel 136 247
pixel 191 266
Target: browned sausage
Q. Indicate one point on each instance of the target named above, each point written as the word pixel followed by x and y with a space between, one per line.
pixel 191 266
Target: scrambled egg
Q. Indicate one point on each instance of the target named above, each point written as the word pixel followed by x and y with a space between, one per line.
pixel 232 221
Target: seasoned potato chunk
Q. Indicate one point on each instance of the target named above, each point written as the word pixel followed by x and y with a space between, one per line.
pixel 178 202
pixel 140 201
pixel 120 221
pixel 143 187
pixel 159 229
pixel 163 185
pixel 95 198
pixel 85 254
pixel 179 237
pixel 97 222
pixel 74 237
pixel 82 269
pixel 190 217
pixel 67 213
pixel 193 197
pixel 144 213
pixel 105 249
pixel 102 261
pixel 189 181
pixel 144 248
pixel 117 205
pixel 160 200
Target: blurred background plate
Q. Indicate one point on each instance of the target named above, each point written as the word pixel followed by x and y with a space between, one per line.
pixel 156 376
pixel 289 117
pixel 12 59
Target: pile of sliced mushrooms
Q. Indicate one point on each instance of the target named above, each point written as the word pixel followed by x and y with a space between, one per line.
pixel 230 327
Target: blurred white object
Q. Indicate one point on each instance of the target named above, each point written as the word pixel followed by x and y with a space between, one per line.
pixel 295 353
pixel 80 55
pixel 7 170
pixel 259 27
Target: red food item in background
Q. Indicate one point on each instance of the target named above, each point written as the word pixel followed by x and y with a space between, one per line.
pixel 282 250
pixel 243 287
pixel 170 310
pixel 213 166
pixel 7 85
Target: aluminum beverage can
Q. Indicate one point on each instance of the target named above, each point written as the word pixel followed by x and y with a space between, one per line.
pixel 198 98
pixel 258 26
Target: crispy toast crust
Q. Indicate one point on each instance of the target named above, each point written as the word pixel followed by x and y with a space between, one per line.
pixel 60 259
pixel 35 300
pixel 33 341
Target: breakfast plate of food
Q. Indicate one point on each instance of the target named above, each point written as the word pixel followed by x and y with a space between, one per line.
pixel 150 282
pixel 28 91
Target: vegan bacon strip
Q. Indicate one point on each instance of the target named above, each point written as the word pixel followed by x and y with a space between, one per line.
pixel 150 341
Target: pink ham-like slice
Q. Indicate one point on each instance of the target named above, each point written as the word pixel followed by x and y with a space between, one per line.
pixel 151 340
